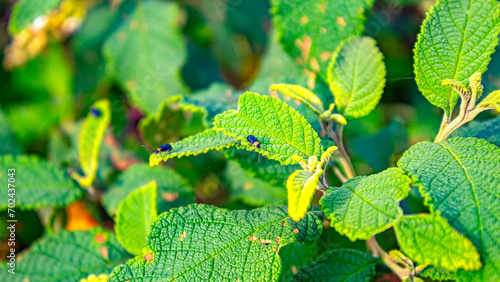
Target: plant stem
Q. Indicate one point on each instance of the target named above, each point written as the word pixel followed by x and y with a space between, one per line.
pixel 388 260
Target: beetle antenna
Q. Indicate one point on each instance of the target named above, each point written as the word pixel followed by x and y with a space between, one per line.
pixel 147 147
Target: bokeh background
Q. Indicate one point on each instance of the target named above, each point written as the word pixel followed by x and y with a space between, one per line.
pixel 50 77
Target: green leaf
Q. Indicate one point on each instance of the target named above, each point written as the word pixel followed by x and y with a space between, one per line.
pixel 488 130
pixel 455 41
pixel 173 191
pixel 252 191
pixel 145 56
pixel 89 144
pixel 68 256
pixel 339 265
pixel 301 186
pixel 7 138
pixel 294 257
pixel 301 94
pixel 135 216
pixel 492 101
pixel 429 239
pixel 437 274
pixel 311 31
pixel 460 180
pixel 220 245
pixel 195 145
pixel 281 130
pixel 366 205
pixel 37 183
pixel 268 170
pixel 377 149
pixel 174 120
pixel 357 77
pixel 25 12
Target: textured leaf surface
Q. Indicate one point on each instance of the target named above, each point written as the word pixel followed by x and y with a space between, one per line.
pixel 429 239
pixel 174 120
pixel 357 77
pixel 26 11
pixel 311 30
pixel 253 191
pixel 460 180
pixel 339 265
pixel 456 40
pixel 488 130
pixel 173 191
pixel 281 130
pixel 294 257
pixel 37 183
pixel 135 216
pixel 69 256
pixel 7 137
pixel 194 145
pixel 203 242
pixel 301 94
pixel 366 205
pixel 492 100
pixel 268 170
pixel 145 56
pixel 89 143
pixel 301 186
pixel 437 274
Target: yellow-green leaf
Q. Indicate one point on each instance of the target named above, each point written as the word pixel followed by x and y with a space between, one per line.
pixel 281 130
pixel 429 239
pixel 301 186
pixel 301 94
pixel 492 100
pixel 89 143
pixel 194 145
pixel 134 218
pixel 456 41
pixel 357 77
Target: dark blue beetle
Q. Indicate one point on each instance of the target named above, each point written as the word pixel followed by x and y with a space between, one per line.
pixel 95 112
pixel 253 140
pixel 162 148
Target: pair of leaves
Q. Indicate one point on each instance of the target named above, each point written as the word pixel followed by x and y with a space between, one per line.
pixel 460 180
pixel 356 77
pixel 281 130
pixel 90 140
pixel 37 183
pixel 135 216
pixel 68 256
pixel 205 242
pixel 311 31
pixel 145 57
pixel 456 41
